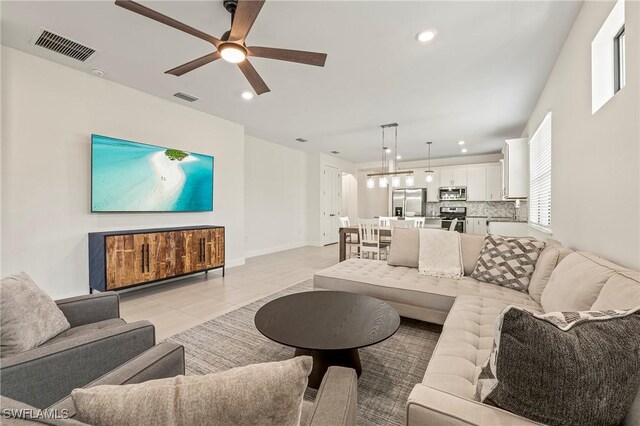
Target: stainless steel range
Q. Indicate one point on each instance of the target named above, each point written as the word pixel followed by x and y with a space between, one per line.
pixel 447 214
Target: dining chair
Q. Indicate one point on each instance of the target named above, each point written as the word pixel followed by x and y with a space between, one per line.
pixel 396 223
pixel 384 221
pixel 452 227
pixel 352 243
pixel 369 234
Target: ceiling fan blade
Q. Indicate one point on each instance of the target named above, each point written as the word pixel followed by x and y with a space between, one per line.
pixel 254 78
pixel 192 65
pixel 157 16
pixel 299 56
pixel 245 15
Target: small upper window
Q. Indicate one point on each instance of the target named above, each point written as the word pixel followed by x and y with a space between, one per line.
pixel 619 60
pixel 608 58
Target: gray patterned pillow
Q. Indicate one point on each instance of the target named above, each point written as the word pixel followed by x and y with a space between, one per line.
pixel 564 368
pixel 508 262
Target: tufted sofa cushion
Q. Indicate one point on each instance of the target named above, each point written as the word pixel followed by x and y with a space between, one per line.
pixel 402 287
pixel 465 344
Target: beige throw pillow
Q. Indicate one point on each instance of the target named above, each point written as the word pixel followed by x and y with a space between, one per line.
pixel 405 248
pixel 259 394
pixel 29 317
pixel 576 282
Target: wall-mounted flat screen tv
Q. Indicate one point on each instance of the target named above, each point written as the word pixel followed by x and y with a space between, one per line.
pixel 134 177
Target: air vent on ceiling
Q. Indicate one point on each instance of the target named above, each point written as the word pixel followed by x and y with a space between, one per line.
pixel 186 97
pixel 335 152
pixel 64 46
pixel 302 140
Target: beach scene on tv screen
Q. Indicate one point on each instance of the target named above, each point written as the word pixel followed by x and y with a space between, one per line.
pixel 130 176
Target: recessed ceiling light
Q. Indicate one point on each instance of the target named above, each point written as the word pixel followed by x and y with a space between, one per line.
pixel 247 95
pixel 460 142
pixel 98 72
pixel 335 152
pixel 302 140
pixel 387 150
pixel 398 157
pixel 426 36
pixel 464 150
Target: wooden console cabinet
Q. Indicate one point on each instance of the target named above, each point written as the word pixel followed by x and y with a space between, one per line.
pixel 122 259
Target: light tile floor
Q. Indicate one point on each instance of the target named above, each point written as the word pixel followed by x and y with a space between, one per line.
pixel 182 304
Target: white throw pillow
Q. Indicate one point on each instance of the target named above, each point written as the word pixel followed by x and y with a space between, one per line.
pixel 29 317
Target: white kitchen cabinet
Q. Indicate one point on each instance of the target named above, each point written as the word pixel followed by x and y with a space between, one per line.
pixel 476 226
pixel 480 226
pixel 494 183
pixel 516 169
pixel 453 176
pixel 476 183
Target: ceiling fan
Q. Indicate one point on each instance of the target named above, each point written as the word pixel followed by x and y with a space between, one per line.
pixel 231 46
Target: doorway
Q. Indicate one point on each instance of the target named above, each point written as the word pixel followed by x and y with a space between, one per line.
pixel 331 203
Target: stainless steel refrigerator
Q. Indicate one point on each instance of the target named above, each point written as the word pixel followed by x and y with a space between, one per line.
pixel 409 202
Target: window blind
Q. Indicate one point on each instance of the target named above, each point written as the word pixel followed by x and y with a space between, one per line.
pixel 540 175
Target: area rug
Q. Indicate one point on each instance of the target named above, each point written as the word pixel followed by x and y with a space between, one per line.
pixel 390 368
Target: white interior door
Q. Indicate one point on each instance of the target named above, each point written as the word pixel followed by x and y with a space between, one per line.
pixel 331 203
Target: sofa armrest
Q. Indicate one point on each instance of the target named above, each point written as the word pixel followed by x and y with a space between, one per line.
pixel 48 373
pixel 336 400
pixel 429 407
pixel 90 308
pixel 162 361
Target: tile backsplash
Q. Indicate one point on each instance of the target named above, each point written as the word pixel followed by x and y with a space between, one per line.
pixel 483 208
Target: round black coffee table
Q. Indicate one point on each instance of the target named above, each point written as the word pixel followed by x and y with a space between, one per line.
pixel 328 325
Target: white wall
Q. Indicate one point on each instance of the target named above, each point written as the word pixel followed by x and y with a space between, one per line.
pixel 275 192
pixel 372 202
pixel 350 197
pixel 48 114
pixel 595 157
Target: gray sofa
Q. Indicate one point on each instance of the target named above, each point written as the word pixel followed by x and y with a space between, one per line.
pixel 335 403
pixel 97 342
pixel 563 280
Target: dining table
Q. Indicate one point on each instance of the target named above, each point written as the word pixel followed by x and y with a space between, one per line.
pixel 385 231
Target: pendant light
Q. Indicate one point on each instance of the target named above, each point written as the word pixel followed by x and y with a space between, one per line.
pixel 428 174
pixel 409 180
pixel 385 172
pixel 371 182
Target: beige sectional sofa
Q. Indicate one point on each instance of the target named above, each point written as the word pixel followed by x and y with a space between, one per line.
pixel 563 280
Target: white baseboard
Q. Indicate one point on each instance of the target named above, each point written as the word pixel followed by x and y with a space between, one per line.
pixel 234 262
pixel 315 244
pixel 274 249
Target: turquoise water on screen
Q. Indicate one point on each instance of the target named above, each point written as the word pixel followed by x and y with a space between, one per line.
pixel 125 178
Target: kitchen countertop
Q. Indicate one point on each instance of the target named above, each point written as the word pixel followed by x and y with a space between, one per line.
pixel 505 219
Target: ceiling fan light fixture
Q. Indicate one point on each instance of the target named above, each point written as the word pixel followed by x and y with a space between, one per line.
pixel 247 95
pixel 232 52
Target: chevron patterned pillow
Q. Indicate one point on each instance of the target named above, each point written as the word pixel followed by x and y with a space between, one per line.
pixel 508 262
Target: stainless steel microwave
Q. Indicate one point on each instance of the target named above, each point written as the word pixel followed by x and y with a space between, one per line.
pixel 452 193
